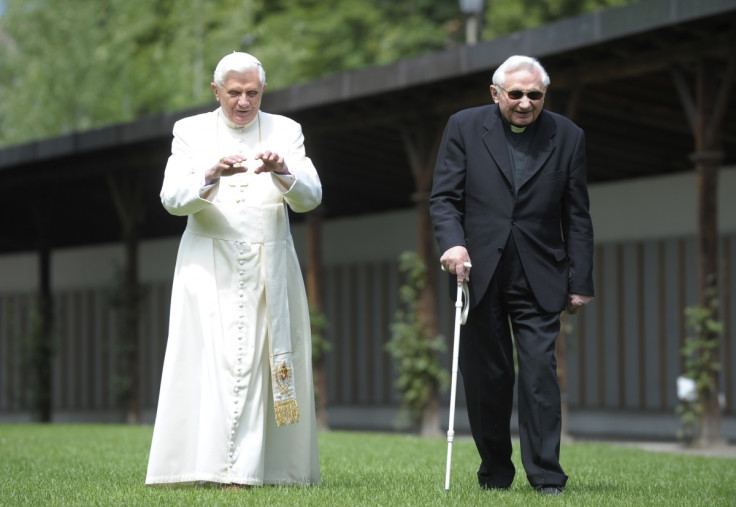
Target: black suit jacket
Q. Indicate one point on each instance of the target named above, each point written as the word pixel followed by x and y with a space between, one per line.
pixel 474 203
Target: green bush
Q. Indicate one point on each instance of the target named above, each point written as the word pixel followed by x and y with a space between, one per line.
pixel 415 350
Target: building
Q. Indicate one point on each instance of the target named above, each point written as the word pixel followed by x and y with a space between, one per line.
pixel 636 78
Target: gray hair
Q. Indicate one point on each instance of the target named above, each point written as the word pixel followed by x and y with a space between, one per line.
pixel 237 62
pixel 519 62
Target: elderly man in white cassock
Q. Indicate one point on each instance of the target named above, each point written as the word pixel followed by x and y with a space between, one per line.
pixel 236 405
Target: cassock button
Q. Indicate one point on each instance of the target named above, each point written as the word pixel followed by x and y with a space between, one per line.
pixel 500 250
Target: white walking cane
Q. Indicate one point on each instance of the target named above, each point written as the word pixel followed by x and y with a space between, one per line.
pixel 461 315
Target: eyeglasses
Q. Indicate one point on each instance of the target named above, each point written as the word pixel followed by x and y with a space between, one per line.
pixel 518 94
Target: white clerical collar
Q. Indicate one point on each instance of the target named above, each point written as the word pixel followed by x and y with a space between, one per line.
pixel 234 125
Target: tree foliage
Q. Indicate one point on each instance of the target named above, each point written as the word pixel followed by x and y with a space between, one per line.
pixel 502 16
pixel 317 38
pixel 69 65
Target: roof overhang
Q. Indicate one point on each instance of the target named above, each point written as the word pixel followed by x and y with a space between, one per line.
pixel 621 74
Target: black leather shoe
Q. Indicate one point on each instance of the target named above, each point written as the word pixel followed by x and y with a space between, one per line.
pixel 550 490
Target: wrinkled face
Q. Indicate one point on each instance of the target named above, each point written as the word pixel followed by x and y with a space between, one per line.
pixel 240 95
pixel 521 111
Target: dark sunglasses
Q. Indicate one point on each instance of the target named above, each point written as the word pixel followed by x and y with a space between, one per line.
pixel 517 94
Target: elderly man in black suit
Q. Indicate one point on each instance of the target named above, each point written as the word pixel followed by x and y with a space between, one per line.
pixel 510 196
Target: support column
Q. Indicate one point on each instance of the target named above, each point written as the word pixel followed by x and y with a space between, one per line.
pixel 422 143
pixel 43 348
pixel 707 164
pixel 126 194
pixel 318 322
pixel 706 115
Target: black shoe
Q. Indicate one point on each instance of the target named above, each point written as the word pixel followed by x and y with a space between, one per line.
pixel 550 490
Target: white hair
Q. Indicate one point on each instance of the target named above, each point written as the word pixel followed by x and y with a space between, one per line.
pixel 519 62
pixel 237 62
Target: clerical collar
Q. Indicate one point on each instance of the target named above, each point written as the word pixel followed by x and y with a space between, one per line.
pixel 514 128
pixel 234 125
pixel 517 130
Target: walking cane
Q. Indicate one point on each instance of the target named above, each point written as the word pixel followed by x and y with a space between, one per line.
pixel 461 315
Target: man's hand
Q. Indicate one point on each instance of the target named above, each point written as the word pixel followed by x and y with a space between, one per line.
pixel 576 301
pixel 226 166
pixel 453 261
pixel 272 162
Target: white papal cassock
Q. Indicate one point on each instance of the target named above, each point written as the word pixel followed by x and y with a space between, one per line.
pixel 237 290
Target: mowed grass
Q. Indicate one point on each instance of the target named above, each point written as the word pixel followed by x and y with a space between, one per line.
pixel 106 465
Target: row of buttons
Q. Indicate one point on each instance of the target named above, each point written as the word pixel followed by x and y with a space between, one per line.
pixel 241 324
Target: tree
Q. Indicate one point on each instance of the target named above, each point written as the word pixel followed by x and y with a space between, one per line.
pixel 507 16
pixel 301 40
pixel 71 66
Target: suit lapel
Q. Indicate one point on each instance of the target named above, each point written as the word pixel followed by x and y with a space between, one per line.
pixel 541 148
pixel 495 141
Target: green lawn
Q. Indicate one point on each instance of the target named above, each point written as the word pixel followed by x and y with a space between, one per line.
pixel 106 465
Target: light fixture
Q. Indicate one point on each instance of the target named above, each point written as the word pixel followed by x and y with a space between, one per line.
pixel 472 9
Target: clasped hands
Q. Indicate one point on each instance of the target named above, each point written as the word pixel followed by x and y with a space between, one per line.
pixel 234 164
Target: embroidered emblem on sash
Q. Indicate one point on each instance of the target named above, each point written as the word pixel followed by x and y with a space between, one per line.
pixel 285 405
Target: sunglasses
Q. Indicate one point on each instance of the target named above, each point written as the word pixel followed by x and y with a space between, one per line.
pixel 517 94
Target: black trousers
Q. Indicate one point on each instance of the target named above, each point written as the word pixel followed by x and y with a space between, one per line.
pixel 487 365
